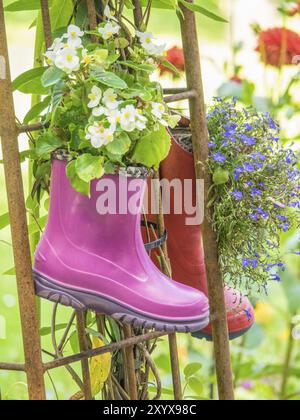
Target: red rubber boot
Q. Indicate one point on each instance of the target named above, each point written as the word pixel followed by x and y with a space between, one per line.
pixel 185 248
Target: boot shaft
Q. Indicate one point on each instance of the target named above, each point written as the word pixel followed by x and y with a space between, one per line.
pixel 113 210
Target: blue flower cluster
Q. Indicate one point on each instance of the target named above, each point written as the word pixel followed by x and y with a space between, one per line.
pixel 261 199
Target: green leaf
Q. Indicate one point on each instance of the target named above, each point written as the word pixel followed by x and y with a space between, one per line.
pixel 52 76
pixel 35 227
pixel 140 67
pixel 30 81
pixel 22 5
pixel 153 148
pixel 161 4
pixel 203 11
pixel 36 110
pixel 108 79
pixel 78 184
pixel 170 66
pixel 192 369
pixel 120 145
pixel 47 330
pixel 121 43
pixel 195 385
pixel 47 143
pixel 60 13
pixel 89 167
pixel 10 272
pixel 74 342
pixel 4 220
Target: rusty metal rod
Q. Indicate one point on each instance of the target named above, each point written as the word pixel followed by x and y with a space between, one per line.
pixel 130 364
pixel 188 94
pixel 137 13
pixel 92 15
pixel 83 345
pixel 16 367
pixel 32 127
pixel 102 350
pixel 172 91
pixel 201 153
pixel 46 23
pixel 18 224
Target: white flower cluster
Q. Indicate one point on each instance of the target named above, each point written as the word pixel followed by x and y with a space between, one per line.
pixel 111 28
pixel 147 41
pixel 64 51
pixel 128 119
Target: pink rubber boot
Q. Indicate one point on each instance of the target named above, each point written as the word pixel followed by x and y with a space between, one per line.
pixel 98 261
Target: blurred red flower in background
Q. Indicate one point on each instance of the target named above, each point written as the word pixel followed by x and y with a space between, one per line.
pixel 175 56
pixel 293 8
pixel 279 46
pixel 236 79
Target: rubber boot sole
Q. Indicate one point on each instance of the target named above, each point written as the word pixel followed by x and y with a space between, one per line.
pixel 83 300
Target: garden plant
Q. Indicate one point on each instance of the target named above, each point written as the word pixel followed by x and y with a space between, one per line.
pixel 107 104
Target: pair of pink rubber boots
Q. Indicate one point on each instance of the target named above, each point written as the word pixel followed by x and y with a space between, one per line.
pixel 94 259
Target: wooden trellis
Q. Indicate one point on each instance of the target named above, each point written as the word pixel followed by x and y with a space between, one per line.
pixel 34 366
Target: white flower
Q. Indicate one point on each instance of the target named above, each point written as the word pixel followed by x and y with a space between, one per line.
pixel 146 37
pixel 147 41
pixel 114 118
pixel 74 35
pixel 99 135
pixel 57 45
pixel 141 121
pixel 95 97
pixel 110 99
pixel 50 57
pixel 158 110
pixel 67 60
pixel 128 118
pixel 109 30
pixel 99 111
pixel 108 13
pixel 52 52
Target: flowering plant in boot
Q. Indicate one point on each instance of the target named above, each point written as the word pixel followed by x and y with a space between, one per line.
pixel 104 109
pixel 255 195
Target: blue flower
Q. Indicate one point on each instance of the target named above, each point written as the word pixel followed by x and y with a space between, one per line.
pixel 237 194
pixel 259 165
pixel 261 212
pixel 246 262
pixel 249 167
pixel 271 122
pixel 219 157
pixel 258 156
pixel 248 314
pixel 248 127
pixel 276 277
pixel 254 216
pixel 211 144
pixel 249 141
pixel 237 172
pixel 250 184
pixel 275 138
pixel 281 217
pixel 250 263
pixel 284 226
pixel 255 192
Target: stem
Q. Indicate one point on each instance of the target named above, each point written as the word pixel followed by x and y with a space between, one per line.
pixel 288 359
